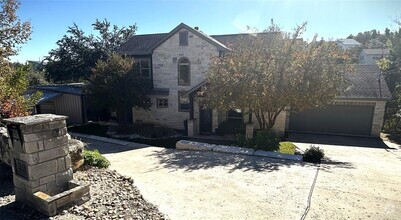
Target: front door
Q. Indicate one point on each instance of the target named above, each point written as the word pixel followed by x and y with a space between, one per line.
pixel 205 120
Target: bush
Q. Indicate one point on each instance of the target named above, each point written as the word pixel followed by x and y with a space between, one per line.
pixel 231 127
pixel 313 154
pixel 264 140
pixel 242 141
pixel 287 147
pixel 267 140
pixel 94 158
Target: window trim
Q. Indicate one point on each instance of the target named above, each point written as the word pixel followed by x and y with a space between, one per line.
pixel 180 93
pixel 179 71
pixel 149 68
pixel 161 99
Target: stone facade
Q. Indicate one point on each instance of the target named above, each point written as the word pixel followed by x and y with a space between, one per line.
pixel 377 122
pixel 165 75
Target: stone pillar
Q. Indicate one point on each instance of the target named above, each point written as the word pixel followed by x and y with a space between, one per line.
pixel 192 127
pixel 215 120
pixel 249 130
pixel 40 160
pixel 378 115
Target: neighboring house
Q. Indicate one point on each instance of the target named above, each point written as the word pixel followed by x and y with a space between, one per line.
pixel 177 63
pixel 371 56
pixel 348 43
pixel 66 100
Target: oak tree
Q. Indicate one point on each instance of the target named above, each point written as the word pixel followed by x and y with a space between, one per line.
pixel 272 70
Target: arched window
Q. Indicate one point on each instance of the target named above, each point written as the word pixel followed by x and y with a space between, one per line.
pixel 184 75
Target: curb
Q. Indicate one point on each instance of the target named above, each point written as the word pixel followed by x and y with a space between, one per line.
pixel 107 140
pixel 199 146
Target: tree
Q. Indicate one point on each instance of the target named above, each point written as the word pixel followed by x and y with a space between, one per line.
pixel 117 85
pixel 34 76
pixel 78 53
pixel 13 82
pixel 272 70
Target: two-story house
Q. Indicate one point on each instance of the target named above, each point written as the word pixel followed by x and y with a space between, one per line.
pixel 177 63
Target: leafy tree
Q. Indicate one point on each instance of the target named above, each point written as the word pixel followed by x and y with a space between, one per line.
pixel 78 53
pixel 13 82
pixel 33 76
pixel 117 85
pixel 270 71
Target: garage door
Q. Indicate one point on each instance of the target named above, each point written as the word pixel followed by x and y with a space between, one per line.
pixel 335 119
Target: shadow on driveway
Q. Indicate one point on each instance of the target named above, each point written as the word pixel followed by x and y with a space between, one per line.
pixel 337 140
pixel 196 160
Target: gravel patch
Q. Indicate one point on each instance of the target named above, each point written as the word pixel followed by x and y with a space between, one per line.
pixel 113 196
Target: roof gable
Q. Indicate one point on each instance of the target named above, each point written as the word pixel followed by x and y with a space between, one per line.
pixel 220 46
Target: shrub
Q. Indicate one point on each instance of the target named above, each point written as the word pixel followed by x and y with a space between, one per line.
pixel 231 127
pixel 242 141
pixel 94 158
pixel 287 147
pixel 313 154
pixel 264 140
pixel 267 140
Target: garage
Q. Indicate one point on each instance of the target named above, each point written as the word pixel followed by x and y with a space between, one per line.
pixel 334 119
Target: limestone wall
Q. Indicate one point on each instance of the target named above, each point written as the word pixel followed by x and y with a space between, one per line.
pixel 165 75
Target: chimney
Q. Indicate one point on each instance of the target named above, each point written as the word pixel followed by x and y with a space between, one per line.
pixel 197 28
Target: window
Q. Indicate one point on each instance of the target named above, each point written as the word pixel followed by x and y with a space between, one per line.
pixel 183 35
pixel 144 68
pixel 162 103
pixel 184 72
pixel 183 102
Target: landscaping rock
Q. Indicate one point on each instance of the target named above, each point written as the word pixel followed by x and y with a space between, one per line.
pixel 113 196
pixel 76 148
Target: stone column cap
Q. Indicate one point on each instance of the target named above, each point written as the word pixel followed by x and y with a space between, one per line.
pixel 35 119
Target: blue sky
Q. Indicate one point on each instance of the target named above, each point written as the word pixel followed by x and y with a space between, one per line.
pixel 330 19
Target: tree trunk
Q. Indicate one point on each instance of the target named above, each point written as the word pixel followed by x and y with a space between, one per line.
pixel 121 113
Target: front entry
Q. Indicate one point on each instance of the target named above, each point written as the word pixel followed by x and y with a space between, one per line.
pixel 205 120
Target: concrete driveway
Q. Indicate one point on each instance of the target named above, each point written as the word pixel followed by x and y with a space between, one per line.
pixel 361 178
pixel 361 182
pixel 207 185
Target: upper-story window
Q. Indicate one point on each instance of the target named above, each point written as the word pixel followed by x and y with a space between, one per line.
pixel 144 68
pixel 184 74
pixel 183 38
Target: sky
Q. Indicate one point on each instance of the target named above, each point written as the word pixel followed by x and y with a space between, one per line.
pixel 330 19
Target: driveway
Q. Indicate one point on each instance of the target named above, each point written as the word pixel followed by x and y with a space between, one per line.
pixel 360 180
pixel 207 185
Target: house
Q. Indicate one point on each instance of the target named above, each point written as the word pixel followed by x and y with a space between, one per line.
pixel 371 56
pixel 177 64
pixel 346 44
pixel 68 100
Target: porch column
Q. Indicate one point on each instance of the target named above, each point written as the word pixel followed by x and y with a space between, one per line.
pixel 249 130
pixel 192 127
pixel 215 120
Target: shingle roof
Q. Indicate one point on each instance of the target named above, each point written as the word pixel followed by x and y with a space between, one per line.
pixel 366 82
pixel 144 44
pixel 377 51
pixel 140 44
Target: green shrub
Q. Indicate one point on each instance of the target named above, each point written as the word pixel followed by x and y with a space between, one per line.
pixel 313 154
pixel 267 140
pixel 264 140
pixel 287 147
pixel 242 141
pixel 94 158
pixel 231 127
